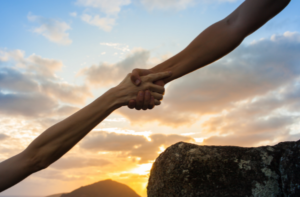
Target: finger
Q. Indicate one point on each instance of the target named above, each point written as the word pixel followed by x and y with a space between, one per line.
pixel 147 100
pixel 131 104
pixel 151 105
pixel 157 102
pixel 137 73
pixel 140 100
pixel 160 83
pixel 157 96
pixel 156 88
pixel 158 76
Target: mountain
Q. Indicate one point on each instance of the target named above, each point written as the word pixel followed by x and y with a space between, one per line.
pixel 55 195
pixel 106 188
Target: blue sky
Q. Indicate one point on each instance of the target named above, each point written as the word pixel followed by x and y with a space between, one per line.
pixel 57 56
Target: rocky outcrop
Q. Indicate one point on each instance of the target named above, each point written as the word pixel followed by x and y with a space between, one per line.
pixel 189 170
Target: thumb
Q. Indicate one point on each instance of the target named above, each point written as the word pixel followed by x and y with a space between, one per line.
pixel 137 73
pixel 135 78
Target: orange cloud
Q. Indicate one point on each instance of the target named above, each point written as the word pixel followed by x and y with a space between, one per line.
pixel 131 145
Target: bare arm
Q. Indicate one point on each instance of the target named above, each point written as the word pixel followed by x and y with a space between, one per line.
pixel 60 138
pixel 216 41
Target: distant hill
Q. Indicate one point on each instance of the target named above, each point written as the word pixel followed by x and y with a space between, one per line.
pixel 55 195
pixel 107 188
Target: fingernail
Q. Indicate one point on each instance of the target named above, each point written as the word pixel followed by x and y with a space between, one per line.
pixel 148 94
pixel 137 82
pixel 170 72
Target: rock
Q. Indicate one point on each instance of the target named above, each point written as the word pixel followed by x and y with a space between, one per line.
pixel 189 170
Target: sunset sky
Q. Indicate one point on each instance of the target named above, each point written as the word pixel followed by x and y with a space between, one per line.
pixel 58 56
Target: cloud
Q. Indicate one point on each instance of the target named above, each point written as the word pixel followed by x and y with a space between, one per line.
pixel 131 145
pixel 32 81
pixel 249 72
pixel 74 14
pixel 149 151
pixel 109 7
pixel 248 130
pixel 13 80
pixel 104 23
pixel 104 141
pixel 118 46
pixel 252 94
pixel 53 30
pixel 108 10
pixel 22 104
pixel 106 74
pixel 3 136
pixel 272 118
pixel 167 4
pixel 50 174
pixel 176 4
pixel 3 56
pixel 79 162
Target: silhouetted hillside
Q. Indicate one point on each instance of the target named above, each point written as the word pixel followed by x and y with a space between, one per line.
pixel 107 188
pixel 55 195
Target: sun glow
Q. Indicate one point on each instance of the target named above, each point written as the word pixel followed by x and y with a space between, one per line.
pixel 142 169
pixel 161 149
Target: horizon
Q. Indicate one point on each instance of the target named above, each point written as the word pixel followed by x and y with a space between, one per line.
pixel 56 57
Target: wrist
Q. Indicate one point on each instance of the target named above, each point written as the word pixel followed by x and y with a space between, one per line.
pixel 116 97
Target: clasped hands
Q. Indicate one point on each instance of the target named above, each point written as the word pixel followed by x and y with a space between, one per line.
pixel 144 99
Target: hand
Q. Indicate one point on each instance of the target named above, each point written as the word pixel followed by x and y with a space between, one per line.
pixel 143 101
pixel 127 91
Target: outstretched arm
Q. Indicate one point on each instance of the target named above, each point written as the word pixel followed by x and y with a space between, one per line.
pixel 216 41
pixel 60 138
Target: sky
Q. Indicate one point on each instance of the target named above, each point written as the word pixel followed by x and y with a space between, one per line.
pixel 58 56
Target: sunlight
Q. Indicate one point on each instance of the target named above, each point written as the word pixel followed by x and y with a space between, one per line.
pixel 146 134
pixel 142 169
pixel 162 149
pixel 199 140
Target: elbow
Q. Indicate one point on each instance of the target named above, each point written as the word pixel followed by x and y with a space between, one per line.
pixel 235 28
pixel 244 23
pixel 35 162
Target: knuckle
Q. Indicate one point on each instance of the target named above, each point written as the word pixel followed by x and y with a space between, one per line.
pixel 148 78
pixel 149 87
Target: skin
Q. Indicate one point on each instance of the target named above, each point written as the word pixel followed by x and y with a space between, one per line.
pixel 61 137
pixel 212 44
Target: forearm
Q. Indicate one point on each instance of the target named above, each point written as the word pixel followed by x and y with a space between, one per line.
pixel 211 45
pixel 60 138
pixel 222 37
pixel 57 140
